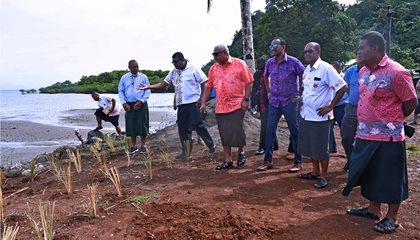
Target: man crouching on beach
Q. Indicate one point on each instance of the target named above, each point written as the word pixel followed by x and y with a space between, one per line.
pixel 108 110
pixel 134 101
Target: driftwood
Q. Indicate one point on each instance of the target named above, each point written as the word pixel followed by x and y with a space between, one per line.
pixel 78 135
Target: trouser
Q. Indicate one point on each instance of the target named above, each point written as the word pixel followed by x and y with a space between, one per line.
pixel 290 112
pixel 349 128
pixel 338 117
pixel 190 119
pixel 263 129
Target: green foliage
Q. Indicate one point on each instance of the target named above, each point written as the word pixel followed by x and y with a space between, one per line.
pixel 139 199
pixel 106 82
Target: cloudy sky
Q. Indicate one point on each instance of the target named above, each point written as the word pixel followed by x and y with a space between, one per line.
pixel 48 41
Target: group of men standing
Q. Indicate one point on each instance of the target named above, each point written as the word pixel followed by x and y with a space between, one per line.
pixel 380 95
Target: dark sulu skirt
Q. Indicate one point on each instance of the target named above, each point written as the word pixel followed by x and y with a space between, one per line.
pixel 137 121
pixel 315 139
pixel 380 168
pixel 231 128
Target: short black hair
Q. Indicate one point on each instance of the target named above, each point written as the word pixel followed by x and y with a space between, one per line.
pixel 282 41
pixel 178 55
pixel 260 60
pixel 375 38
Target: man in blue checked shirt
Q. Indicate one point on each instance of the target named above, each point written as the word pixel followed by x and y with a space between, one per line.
pixel 134 101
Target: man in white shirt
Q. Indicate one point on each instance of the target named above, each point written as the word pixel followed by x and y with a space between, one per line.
pixel 320 81
pixel 108 110
pixel 188 82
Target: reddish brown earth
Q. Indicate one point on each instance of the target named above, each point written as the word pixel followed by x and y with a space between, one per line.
pixel 190 200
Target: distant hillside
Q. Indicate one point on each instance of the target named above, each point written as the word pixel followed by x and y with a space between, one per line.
pixel 106 82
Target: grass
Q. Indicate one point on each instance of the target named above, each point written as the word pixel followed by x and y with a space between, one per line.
pixel 63 175
pixel 413 150
pixel 92 199
pixel 139 199
pixel 2 218
pixel 114 176
pixel 110 142
pixel 44 227
pixel 10 233
pixel 78 161
pixel 164 153
pixel 32 170
pixel 149 165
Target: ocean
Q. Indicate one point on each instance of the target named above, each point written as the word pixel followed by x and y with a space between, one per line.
pixel 64 110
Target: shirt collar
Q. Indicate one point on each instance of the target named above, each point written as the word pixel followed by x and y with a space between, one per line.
pixel 316 64
pixel 285 58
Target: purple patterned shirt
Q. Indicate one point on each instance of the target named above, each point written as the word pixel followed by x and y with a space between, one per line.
pixel 284 79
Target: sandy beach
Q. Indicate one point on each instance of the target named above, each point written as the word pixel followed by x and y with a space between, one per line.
pixel 23 140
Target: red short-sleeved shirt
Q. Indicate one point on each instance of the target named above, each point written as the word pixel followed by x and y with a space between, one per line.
pixel 229 83
pixel 382 92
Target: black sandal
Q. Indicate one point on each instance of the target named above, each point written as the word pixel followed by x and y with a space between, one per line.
pixel 308 176
pixel 224 165
pixel 241 160
pixel 386 225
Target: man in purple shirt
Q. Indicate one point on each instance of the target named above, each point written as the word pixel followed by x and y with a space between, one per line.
pixel 282 76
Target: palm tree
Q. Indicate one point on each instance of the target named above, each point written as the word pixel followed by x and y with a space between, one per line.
pixel 247 39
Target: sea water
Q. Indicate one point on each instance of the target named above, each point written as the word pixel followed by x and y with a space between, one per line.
pixel 51 109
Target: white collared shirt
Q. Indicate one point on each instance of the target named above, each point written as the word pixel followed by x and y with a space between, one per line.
pixel 105 102
pixel 319 83
pixel 186 83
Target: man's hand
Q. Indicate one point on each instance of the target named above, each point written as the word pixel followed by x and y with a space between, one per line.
pixel 138 105
pixel 203 108
pixel 126 107
pixel 143 86
pixel 324 110
pixel 245 105
pixel 199 103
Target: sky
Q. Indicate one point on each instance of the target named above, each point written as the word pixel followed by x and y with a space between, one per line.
pixel 48 41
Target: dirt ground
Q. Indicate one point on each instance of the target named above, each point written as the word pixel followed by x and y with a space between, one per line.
pixel 190 200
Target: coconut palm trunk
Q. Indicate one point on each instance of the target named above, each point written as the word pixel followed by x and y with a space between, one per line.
pixel 247 38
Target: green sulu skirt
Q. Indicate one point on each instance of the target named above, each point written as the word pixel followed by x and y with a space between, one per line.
pixel 137 121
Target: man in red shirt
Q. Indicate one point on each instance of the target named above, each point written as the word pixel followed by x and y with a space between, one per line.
pixel 232 81
pixel 378 162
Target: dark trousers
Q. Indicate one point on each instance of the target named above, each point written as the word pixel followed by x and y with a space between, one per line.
pixel 348 131
pixel 190 119
pixel 263 129
pixel 338 118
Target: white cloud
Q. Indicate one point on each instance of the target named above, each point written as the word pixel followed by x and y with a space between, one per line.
pixel 46 41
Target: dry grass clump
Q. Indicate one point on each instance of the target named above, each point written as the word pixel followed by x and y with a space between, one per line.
pixel 92 198
pixel 114 176
pixel 10 232
pixel 76 159
pixel 63 175
pixel 2 218
pixel 44 227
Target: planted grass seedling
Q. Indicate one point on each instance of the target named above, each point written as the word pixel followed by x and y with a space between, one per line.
pixel 92 198
pixel 10 232
pixel 44 227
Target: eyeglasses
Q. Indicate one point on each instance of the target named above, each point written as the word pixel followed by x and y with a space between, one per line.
pixel 273 46
pixel 309 51
pixel 215 54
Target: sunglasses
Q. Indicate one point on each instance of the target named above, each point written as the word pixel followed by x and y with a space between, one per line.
pixel 273 46
pixel 309 51
pixel 215 54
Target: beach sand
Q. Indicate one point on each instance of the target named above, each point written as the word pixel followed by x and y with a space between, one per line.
pixel 23 140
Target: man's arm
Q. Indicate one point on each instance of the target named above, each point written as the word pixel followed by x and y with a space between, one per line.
pixel 160 85
pixel 267 85
pixel 204 97
pixel 113 105
pixel 409 106
pixel 338 96
pixel 245 101
pixel 202 87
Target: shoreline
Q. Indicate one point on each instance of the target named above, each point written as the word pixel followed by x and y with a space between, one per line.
pixel 22 140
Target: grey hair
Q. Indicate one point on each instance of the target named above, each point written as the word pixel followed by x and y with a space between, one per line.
pixel 222 47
